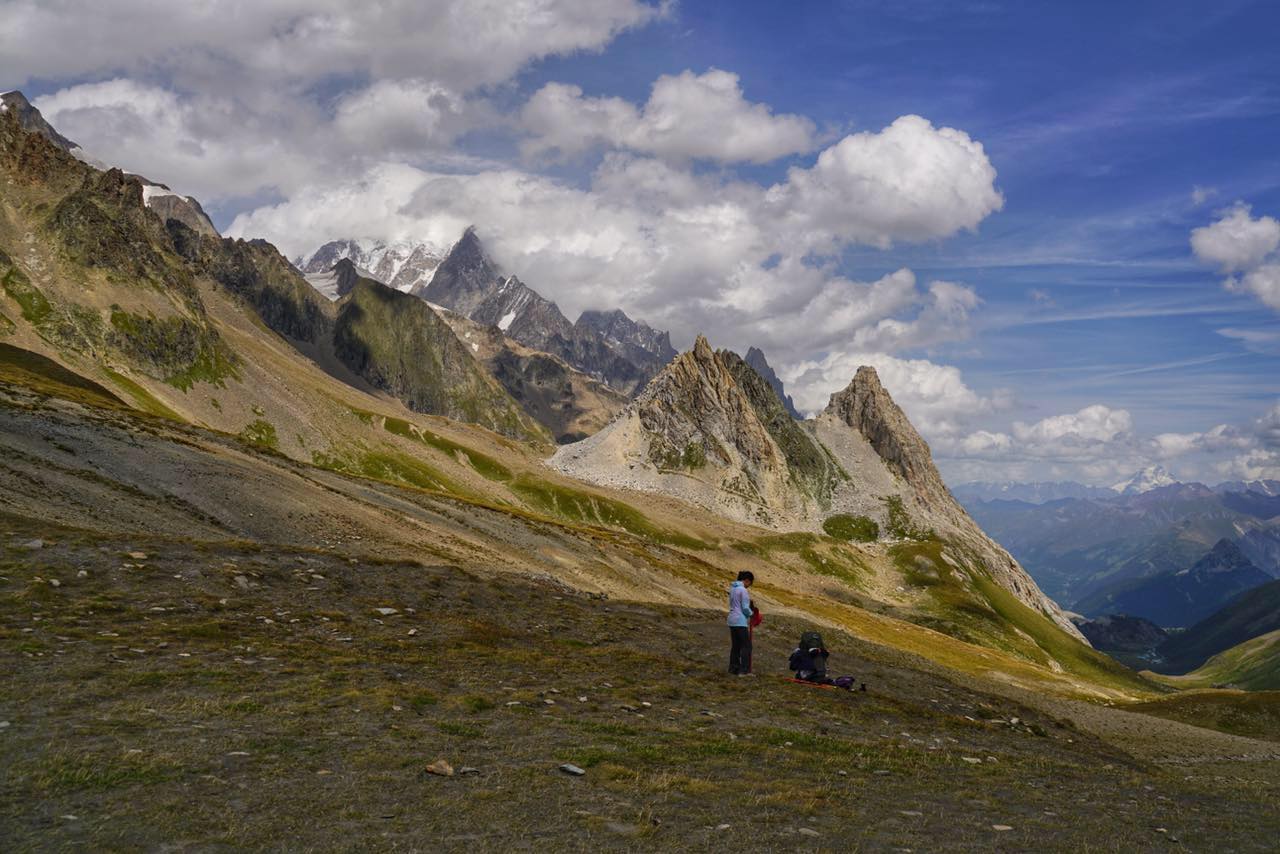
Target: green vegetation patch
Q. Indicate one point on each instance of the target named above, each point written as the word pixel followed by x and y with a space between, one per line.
pixel 143 399
pixel 176 349
pixel 484 465
pixel 899 524
pixel 849 528
pixel 35 307
pixel 391 466
pixel 261 433
pixel 578 506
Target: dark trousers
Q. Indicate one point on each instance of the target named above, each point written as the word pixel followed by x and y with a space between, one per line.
pixel 739 649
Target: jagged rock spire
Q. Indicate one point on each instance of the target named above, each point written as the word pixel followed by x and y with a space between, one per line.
pixel 866 406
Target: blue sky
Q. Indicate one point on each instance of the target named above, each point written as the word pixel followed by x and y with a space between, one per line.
pixel 1114 131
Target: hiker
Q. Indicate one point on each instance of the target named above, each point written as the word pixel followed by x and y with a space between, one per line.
pixel 740 624
pixel 809 660
pixel 809 663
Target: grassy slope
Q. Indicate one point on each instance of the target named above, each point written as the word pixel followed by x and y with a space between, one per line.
pixel 230 694
pixel 818 576
pixel 1255 612
pixel 1253 665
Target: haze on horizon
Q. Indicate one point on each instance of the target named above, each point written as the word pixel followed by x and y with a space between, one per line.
pixel 1053 231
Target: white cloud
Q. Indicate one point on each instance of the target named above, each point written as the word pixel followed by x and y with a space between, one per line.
pixel 1244 245
pixel 461 44
pixel 688 116
pixel 400 115
pixel 1093 424
pixel 1200 195
pixel 1262 281
pixel 910 181
pixel 1221 437
pixel 1257 464
pixel 210 145
pixel 1237 241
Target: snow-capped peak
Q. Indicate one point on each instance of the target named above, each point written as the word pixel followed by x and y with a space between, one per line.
pixel 1151 477
pixel 400 263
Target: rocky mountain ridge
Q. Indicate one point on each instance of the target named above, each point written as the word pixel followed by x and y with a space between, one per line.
pixel 609 346
pixel 705 430
pixel 98 274
pixel 756 359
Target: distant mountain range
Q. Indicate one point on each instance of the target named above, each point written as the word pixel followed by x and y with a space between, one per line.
pixel 1183 597
pixel 1084 550
pixel 1032 493
pixel 1249 615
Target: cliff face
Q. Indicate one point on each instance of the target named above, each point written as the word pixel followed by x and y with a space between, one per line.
pixel 866 407
pixel 711 430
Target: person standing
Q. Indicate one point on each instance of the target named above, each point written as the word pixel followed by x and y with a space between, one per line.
pixel 740 624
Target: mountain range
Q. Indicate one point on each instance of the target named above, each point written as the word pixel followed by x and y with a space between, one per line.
pixel 1183 597
pixel 435 390
pixel 1083 549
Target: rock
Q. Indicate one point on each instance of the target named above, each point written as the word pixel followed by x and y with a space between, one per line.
pixel 1001 827
pixel 722 827
pixel 32 545
pixel 843 773
pixel 138 555
pixel 467 771
pixel 386 612
pixel 572 770
pixel 440 768
pixel 242 582
pixel 972 760
pixel 548 701
pixel 808 831
pixel 4 724
pixel 911 813
pixel 53 582
pixel 82 574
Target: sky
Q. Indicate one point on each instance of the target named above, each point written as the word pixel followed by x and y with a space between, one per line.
pixel 1051 227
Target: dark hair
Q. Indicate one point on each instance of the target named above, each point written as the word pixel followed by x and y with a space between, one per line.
pixel 746 575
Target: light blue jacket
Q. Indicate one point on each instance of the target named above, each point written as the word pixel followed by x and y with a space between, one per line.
pixel 739 605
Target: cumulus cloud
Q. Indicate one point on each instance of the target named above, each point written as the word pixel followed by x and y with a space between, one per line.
pixel 1093 424
pixel 1096 441
pixel 1237 241
pixel 909 181
pixel 210 145
pixel 1245 246
pixel 692 252
pixel 688 116
pixel 400 115
pixel 461 44
pixel 1219 438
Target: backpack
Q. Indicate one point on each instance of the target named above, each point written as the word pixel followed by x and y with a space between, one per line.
pixel 811 640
